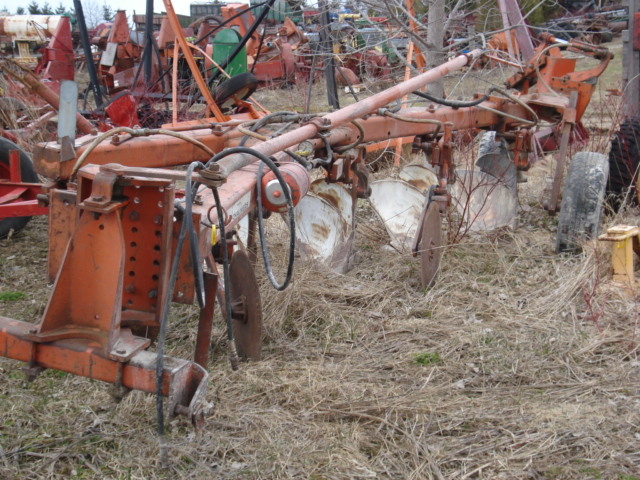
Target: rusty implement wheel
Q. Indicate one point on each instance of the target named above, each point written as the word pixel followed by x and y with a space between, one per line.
pixel 246 308
pixel 430 245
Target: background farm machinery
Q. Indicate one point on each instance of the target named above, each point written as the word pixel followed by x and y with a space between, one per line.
pixel 126 239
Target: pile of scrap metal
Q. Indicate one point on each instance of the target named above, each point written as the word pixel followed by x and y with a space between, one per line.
pixel 240 42
pixel 595 27
pixel 125 240
pixel 42 43
pixel 267 53
pixel 40 49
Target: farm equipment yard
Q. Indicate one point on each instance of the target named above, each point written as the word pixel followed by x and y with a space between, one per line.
pixel 489 356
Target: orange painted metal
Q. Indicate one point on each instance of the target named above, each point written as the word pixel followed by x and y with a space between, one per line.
pixel 195 71
pixel 86 359
pixel 106 303
pixel 550 72
pixel 117 231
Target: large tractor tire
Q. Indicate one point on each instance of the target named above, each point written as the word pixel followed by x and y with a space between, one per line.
pixel 241 86
pixel 624 158
pixel 582 201
pixel 28 174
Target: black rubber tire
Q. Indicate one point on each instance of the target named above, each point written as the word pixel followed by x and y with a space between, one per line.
pixel 624 156
pixel 582 201
pixel 242 86
pixel 29 175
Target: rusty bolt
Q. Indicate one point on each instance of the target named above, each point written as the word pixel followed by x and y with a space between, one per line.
pixel 33 330
pixel 121 351
pixel 134 216
pixel 43 199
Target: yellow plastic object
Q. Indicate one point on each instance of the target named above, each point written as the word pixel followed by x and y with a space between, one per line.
pixel 622 238
pixel 214 235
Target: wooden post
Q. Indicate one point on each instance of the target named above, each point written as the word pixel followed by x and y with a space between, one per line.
pixel 631 63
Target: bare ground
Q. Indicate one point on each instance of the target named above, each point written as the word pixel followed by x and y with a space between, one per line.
pixel 517 364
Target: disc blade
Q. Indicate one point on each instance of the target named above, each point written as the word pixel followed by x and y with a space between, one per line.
pixel 246 306
pixel 399 206
pixel 430 245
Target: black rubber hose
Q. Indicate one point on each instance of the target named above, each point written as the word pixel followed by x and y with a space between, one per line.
pixel 287 194
pixel 451 103
pixel 187 225
pixel 265 120
pixel 162 333
pixel 196 260
pixel 233 355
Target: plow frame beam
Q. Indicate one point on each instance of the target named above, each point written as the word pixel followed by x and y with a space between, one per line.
pixel 106 303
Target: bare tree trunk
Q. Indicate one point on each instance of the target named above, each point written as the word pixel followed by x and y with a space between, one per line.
pixel 435 41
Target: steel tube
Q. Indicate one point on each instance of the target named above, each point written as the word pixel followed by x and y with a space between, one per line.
pixel 349 113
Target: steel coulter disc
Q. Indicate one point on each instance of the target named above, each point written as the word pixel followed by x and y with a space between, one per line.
pixel 430 245
pixel 246 306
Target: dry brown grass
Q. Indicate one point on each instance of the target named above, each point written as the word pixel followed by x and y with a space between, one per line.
pixel 517 364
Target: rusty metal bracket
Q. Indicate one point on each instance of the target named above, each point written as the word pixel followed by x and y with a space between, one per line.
pixel 567 126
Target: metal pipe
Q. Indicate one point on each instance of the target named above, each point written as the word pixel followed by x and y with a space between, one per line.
pixel 347 114
pixel 94 84
pixel 29 79
pixel 148 42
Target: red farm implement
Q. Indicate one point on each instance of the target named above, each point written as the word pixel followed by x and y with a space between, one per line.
pixel 126 239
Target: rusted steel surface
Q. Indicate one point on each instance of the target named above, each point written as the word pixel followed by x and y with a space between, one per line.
pixel 162 151
pixel 351 112
pixel 205 321
pixel 85 359
pixel 30 27
pixel 569 121
pixel 145 151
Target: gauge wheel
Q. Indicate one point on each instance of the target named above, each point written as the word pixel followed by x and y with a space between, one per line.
pixel 582 201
